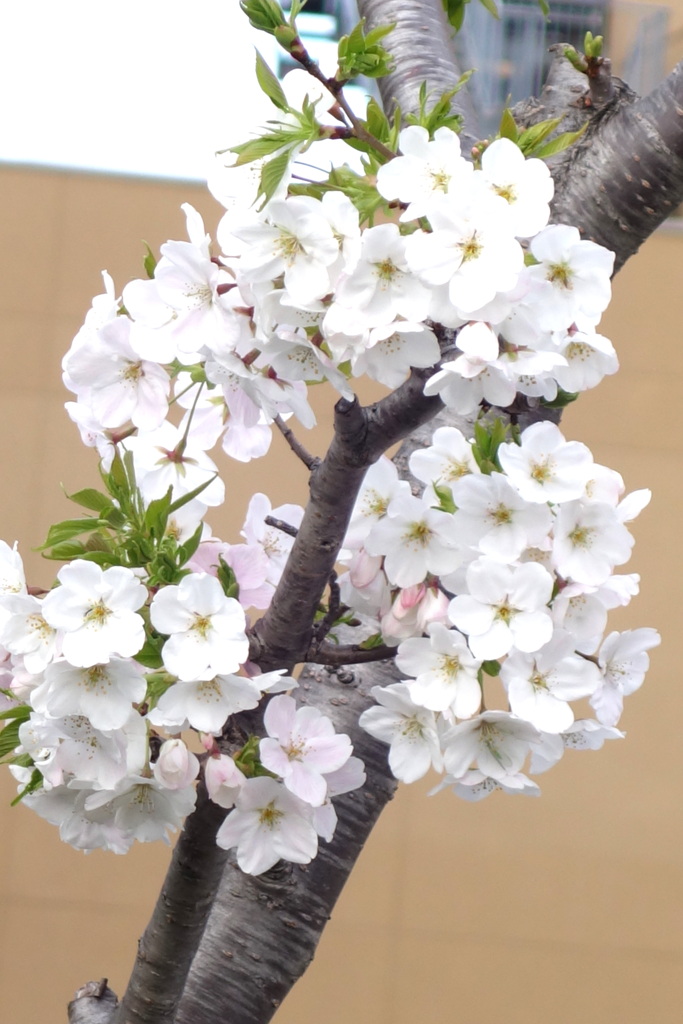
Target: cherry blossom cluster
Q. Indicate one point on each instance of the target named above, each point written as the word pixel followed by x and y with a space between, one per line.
pixel 90 721
pixel 502 569
pixel 510 573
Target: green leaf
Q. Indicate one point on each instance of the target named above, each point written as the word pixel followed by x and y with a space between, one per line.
pixel 90 498
pixel 445 496
pixel 561 400
pixel 157 685
pixel 455 12
pixel 186 550
pixel 34 783
pixel 439 115
pixel 20 711
pixel 532 137
pixel 227 578
pixel 67 529
pixel 559 143
pixel 150 655
pixel 490 6
pixel 185 498
pixel 265 15
pixel 65 552
pixel 491 668
pixel 9 737
pixel 508 126
pixel 592 46
pixel 545 7
pixel 102 558
pixel 269 83
pixel 149 262
pixel 272 173
pixel 360 54
pixel 156 514
pixel 371 642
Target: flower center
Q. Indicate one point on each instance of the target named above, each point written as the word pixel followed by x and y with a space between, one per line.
pixel 132 373
pixel 450 666
pixel 560 274
pixel 500 515
pixel 581 536
pixel 440 180
pixel 577 350
pixel 98 614
pixel 375 504
pixel 270 816
pixel 542 471
pixel 505 612
pixel 506 191
pixel 471 248
pixel 288 247
pixel 96 678
pixel 386 270
pixel 37 624
pixel 418 534
pixel 201 625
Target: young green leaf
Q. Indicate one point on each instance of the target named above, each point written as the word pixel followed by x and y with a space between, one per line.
pixel 269 83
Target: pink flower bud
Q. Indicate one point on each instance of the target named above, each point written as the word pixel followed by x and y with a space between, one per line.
pixel 223 780
pixel 433 608
pixel 176 767
pixel 407 599
pixel 364 568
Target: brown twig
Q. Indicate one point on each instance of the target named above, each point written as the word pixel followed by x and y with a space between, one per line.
pixel 352 654
pixel 280 524
pixel 309 461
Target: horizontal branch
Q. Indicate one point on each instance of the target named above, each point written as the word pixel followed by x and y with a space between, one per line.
pixel 351 654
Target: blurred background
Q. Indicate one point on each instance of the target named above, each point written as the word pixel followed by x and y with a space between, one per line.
pixel 567 908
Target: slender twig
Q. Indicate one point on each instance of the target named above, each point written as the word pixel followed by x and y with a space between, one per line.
pixel 328 653
pixel 336 89
pixel 281 525
pixel 328 620
pixel 309 461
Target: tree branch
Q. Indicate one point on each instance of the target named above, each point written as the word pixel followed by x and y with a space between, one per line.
pixel 170 941
pixel 94 1003
pixel 352 654
pixel 283 636
pixel 422 47
pixel 263 930
pixel 625 176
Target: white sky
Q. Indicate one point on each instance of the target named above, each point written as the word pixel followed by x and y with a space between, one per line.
pixel 148 87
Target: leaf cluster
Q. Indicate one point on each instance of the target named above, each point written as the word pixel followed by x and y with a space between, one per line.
pixel 439 115
pixel 124 530
pixel 535 141
pixel 487 441
pixel 361 54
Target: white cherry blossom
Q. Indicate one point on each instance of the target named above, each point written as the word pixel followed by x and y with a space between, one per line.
pixel 268 824
pixel 205 628
pixel 505 607
pixel 96 610
pixel 544 467
pixel 302 748
pixel 444 669
pixel 410 731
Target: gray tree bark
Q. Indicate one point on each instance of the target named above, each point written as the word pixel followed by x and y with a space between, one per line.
pixel 616 185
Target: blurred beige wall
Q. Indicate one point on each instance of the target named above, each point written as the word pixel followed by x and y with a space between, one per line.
pixel 566 909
